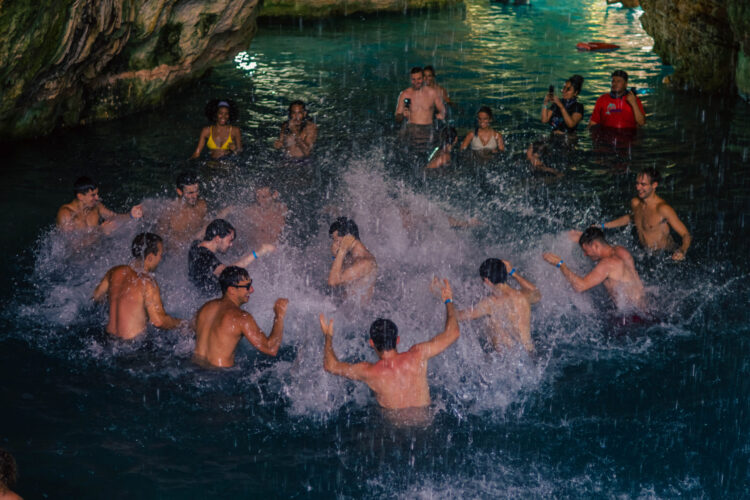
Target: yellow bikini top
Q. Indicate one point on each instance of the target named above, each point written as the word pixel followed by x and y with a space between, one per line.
pixel 212 145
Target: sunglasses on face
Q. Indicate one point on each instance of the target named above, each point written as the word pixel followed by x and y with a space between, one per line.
pixel 246 287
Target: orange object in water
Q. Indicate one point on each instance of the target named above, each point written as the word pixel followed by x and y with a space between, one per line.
pixel 598 46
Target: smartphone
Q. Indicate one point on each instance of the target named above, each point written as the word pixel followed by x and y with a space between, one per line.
pixel 551 89
pixel 407 102
pixel 632 89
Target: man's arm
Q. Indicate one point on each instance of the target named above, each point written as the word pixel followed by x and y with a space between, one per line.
pixel 595 277
pixel 101 289
pixel 331 364
pixel 245 261
pixel 307 141
pixel 484 308
pixel 529 290
pixel 439 105
pixel 450 333
pixel 267 345
pixel 155 309
pixel 400 109
pixel 618 222
pixel 340 276
pixel 675 223
pixel 635 104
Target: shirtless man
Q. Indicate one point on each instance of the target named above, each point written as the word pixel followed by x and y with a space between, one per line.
pixel 185 216
pixel 86 211
pixel 263 220
pixel 399 380
pixel 298 135
pixel 429 80
pixel 508 310
pixel 133 292
pixel 354 268
pixel 220 323
pixel 418 103
pixel 615 269
pixel 653 217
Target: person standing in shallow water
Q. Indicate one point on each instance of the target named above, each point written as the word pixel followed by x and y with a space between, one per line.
pixel 221 137
pixel 398 379
pixel 565 114
pixel 298 134
pixel 185 216
pixel 484 139
pixel 418 105
pixel 429 80
pixel 134 296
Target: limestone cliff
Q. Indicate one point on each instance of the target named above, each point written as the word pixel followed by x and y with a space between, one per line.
pixel 65 62
pixel 326 8
pixel 707 42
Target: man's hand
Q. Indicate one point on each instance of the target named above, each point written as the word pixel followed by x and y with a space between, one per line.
pixel 551 258
pixel 678 255
pixel 137 211
pixel 265 249
pixel 508 267
pixel 435 288
pixel 630 97
pixel 347 242
pixel 326 328
pixel 279 307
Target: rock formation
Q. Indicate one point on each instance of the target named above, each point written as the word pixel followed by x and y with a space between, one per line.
pixel 65 62
pixel 326 8
pixel 707 42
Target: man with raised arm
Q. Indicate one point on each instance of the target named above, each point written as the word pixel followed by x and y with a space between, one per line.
pixel 220 323
pixel 354 268
pixel 86 211
pixel 653 217
pixel 185 216
pixel 134 296
pixel 508 311
pixel 398 379
pixel 615 269
pixel 204 267
pixel 298 134
pixel 620 108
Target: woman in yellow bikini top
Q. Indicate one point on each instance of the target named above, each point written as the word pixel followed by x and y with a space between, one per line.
pixel 221 113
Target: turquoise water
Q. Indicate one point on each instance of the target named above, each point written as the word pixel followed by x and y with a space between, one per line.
pixel 656 411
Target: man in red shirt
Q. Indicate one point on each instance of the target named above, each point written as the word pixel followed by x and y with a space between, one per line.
pixel 619 109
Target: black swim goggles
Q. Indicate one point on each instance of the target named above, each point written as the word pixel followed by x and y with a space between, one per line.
pixel 246 287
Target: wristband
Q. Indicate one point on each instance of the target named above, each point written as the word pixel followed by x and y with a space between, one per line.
pixel 603 228
pixel 559 264
pixel 448 301
pixel 255 255
pixel 512 272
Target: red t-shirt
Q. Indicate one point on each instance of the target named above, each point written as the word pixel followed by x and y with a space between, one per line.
pixel 615 112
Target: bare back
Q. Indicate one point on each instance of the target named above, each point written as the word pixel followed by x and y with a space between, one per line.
pixel 127 301
pixel 509 320
pixel 218 331
pixel 400 381
pixel 622 282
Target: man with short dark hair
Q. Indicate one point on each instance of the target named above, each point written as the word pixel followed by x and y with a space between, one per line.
pixel 298 134
pixel 615 269
pixel 185 216
pixel 354 268
pixel 508 311
pixel 419 104
pixel 619 108
pixel 653 217
pixel 204 267
pixel 134 295
pixel 399 380
pixel 220 323
pixel 87 211
pixel 8 476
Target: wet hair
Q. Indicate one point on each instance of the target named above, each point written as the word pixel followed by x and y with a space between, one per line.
pixel 83 185
pixel 447 136
pixel 231 275
pixel 485 109
pixel 415 70
pixel 576 81
pixel 344 226
pixel 652 174
pixel 212 107
pixel 218 227
pixel 428 68
pixel 145 244
pixel 494 270
pixel 591 235
pixel 186 179
pixel 621 74
pixel 384 334
pixel 296 103
pixel 8 470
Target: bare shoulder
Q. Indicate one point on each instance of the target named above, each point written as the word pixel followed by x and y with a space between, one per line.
pixel 635 202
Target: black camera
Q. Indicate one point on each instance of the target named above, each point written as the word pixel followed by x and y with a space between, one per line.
pixel 551 89
pixel 407 102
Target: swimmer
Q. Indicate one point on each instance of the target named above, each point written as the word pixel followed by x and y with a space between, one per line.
pixel 419 103
pixel 429 80
pixel 86 211
pixel 398 379
pixel 8 476
pixel 484 139
pixel 536 154
pixel 185 216
pixel 298 134
pixel 565 114
pixel 508 310
pixel 263 220
pixel 133 293
pixel 220 323
pixel 204 267
pixel 615 269
pixel 441 156
pixel 620 108
pixel 354 268
pixel 220 137
pixel 653 217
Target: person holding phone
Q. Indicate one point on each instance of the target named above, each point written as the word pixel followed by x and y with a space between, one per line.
pixel 620 108
pixel 565 113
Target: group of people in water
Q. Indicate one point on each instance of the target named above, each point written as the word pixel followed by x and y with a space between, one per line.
pixel 398 379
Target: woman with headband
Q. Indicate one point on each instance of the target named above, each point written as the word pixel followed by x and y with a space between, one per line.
pixel 221 137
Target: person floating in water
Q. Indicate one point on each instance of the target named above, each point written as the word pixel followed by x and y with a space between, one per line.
pixel 8 476
pixel 615 269
pixel 220 323
pixel 398 379
pixel 134 296
pixel 354 268
pixel 653 217
pixel 298 133
pixel 620 108
pixel 429 80
pixel 565 114
pixel 221 137
pixel 508 310
pixel 484 139
pixel 185 216
pixel 418 105
pixel 86 211
pixel 204 267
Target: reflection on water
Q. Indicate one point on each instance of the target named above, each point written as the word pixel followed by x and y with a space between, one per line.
pixel 654 411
